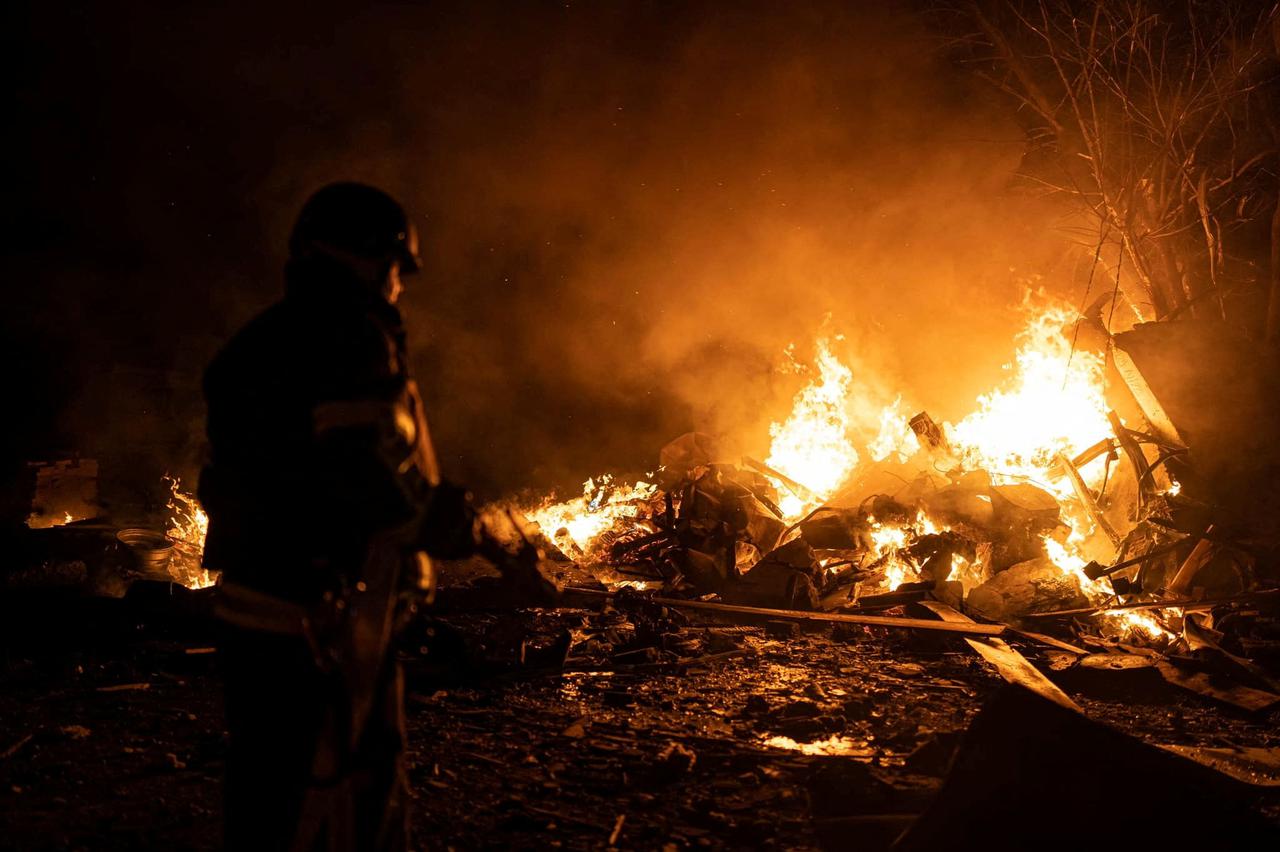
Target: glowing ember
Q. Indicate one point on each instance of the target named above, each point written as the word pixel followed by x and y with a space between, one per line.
pixel 812 445
pixel 1128 622
pixel 576 525
pixel 889 543
pixel 188 526
pixel 833 745
pixel 1124 623
pixel 968 574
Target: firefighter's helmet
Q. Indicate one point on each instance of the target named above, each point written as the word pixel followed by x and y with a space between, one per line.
pixel 359 220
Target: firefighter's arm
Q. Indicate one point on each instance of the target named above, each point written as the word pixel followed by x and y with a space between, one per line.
pixel 454 529
pixel 373 462
pixel 450 526
pixel 359 448
pixel 503 542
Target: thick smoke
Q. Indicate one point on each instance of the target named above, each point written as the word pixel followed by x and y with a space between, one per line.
pixel 629 210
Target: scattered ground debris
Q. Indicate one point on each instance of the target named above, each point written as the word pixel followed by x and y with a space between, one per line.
pixel 1024 759
pixel 719 734
pixel 947 649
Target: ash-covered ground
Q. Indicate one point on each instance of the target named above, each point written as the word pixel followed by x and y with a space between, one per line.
pixel 520 737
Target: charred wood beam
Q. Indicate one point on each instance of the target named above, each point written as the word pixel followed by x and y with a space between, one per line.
pixel 1146 437
pixel 1086 498
pixel 789 530
pixel 1269 595
pixel 1106 445
pixel 1051 641
pixel 1132 451
pixel 1196 559
pixel 1013 667
pixel 1103 447
pixel 1094 571
pixel 801 616
pixel 887 600
pixel 1157 418
pixel 620 548
pixel 797 488
pixel 631 572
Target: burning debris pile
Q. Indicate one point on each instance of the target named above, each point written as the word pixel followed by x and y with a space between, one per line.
pixel 771 632
pixel 1056 503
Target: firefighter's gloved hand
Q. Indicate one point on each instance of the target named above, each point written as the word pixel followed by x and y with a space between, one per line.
pixel 526 586
pixel 528 579
pixel 449 526
pixel 526 574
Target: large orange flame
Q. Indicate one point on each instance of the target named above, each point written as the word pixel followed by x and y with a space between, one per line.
pixel 576 525
pixel 811 446
pixel 1052 402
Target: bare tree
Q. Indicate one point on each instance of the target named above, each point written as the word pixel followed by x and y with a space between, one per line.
pixel 1159 121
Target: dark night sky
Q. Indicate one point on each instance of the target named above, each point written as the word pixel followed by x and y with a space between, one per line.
pixel 628 209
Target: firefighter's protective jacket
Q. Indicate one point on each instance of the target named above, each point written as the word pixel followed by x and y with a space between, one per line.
pixel 317 439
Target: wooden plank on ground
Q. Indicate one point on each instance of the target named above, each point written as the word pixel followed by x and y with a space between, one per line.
pixel 1185 604
pixel 1012 666
pixel 755 613
pixel 1219 689
pixel 1257 766
pixel 1051 641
